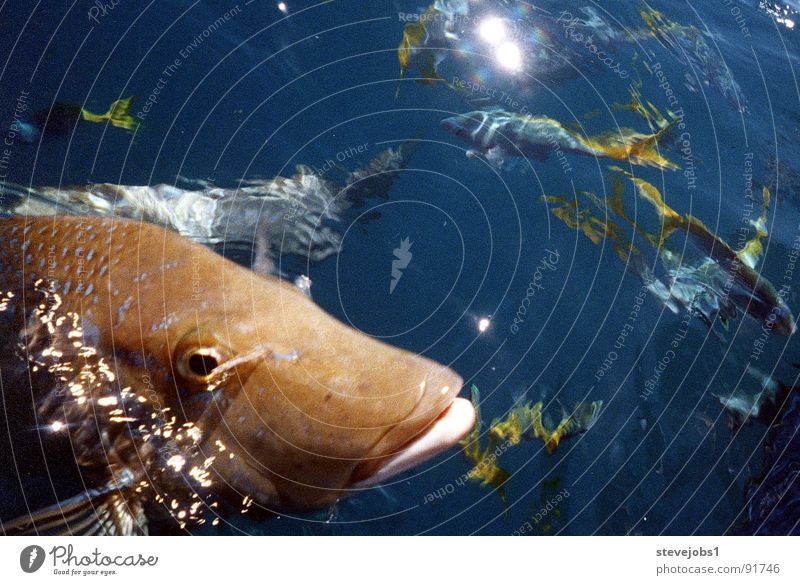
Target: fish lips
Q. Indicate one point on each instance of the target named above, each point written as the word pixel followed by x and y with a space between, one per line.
pixel 455 126
pixel 444 432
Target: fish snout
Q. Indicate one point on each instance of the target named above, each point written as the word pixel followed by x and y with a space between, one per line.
pixel 787 325
pixel 783 320
pixel 454 126
pixel 304 431
pixel 438 421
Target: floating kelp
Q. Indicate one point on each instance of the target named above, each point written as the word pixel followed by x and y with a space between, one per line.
pixel 296 210
pixel 524 421
pixel 498 135
pixel 713 287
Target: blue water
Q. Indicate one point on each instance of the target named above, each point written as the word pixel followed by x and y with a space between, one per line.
pixel 269 90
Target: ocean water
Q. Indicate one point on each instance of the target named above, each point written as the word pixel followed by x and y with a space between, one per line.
pixel 251 89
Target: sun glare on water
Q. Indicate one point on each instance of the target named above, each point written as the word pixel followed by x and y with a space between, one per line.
pixel 492 30
pixel 509 57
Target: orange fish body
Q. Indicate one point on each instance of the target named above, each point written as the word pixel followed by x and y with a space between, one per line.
pixel 211 374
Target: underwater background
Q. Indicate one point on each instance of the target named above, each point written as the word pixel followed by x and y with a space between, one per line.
pixel 252 89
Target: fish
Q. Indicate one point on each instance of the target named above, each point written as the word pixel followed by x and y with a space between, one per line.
pixel 469 43
pixel 524 421
pixel 428 39
pixel 173 384
pixel 60 118
pixel 688 46
pixel 118 114
pixel 485 470
pixel 722 283
pixel 301 210
pixel 748 290
pixel 497 135
pixel 765 405
pixel 419 47
pixel 772 499
pixel 530 418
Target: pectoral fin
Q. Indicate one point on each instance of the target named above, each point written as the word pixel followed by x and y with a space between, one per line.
pixel 263 263
pixel 106 512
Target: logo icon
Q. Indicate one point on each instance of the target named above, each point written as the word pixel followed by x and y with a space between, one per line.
pixel 402 257
pixel 31 558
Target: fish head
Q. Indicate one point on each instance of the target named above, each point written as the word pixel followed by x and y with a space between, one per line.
pixel 763 302
pixel 298 409
pixel 474 128
pixel 781 316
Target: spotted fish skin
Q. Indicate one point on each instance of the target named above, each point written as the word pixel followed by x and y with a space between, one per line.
pixel 292 406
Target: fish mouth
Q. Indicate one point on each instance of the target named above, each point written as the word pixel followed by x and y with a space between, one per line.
pixel 452 125
pixel 444 432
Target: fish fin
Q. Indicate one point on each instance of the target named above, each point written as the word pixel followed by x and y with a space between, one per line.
pixel 108 512
pixel 412 38
pixel 376 177
pixel 540 154
pixel 670 219
pixel 263 264
pixel 753 249
pixel 303 284
pixel 496 155
pixel 118 114
pixel 646 150
pixel 579 421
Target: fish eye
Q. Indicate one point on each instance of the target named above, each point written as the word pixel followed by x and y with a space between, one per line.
pixel 197 364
